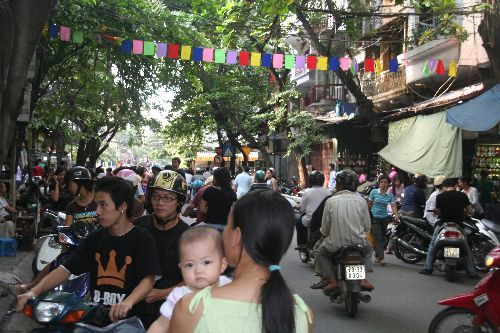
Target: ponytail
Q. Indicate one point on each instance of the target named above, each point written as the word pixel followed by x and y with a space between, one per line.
pixel 277 305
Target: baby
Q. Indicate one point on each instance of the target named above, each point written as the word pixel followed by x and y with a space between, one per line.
pixel 202 262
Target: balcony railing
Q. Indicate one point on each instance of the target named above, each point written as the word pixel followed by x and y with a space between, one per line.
pixel 373 85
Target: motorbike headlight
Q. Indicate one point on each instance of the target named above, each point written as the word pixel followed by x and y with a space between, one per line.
pixel 488 261
pixel 53 243
pixel 65 239
pixel 47 311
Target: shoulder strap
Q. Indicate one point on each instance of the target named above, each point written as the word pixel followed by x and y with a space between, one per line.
pixel 303 307
pixel 202 295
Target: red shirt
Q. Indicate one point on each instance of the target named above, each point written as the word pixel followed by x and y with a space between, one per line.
pixel 200 217
pixel 37 171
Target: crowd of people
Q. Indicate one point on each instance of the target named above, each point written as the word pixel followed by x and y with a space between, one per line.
pixel 162 275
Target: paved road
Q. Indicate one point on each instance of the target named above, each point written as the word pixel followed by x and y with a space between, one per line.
pixel 403 300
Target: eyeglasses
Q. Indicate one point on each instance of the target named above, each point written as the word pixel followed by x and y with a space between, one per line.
pixel 159 198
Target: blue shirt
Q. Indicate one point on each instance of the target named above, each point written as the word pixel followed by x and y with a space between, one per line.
pixel 413 200
pixel 380 202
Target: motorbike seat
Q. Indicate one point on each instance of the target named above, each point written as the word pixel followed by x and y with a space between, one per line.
pixel 424 224
pixel 347 248
pixel 495 227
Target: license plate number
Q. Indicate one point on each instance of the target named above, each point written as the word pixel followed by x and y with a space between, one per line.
pixel 355 272
pixel 452 252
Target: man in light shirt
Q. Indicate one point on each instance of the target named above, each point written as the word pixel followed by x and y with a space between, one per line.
pixel 242 182
pixel 430 204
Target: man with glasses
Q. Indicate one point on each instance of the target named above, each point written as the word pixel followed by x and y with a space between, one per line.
pixel 166 196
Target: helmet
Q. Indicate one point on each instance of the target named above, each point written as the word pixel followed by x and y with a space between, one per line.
pixel 348 179
pixel 78 173
pixel 316 178
pixel 197 183
pixel 260 175
pixel 439 180
pixel 169 180
pixel 156 166
pixel 129 175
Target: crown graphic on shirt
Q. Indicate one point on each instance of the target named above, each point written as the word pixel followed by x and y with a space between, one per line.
pixel 111 275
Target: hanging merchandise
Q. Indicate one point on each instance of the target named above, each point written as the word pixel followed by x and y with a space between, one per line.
pixel 452 71
pixel 393 65
pixel 369 65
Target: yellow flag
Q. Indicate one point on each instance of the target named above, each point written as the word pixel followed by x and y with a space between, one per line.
pixel 378 66
pixel 255 59
pixel 452 71
pixel 185 52
pixel 322 64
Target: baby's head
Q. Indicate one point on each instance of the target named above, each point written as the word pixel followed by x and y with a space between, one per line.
pixel 201 255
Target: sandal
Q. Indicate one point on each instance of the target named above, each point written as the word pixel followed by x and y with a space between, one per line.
pixel 329 291
pixel 319 285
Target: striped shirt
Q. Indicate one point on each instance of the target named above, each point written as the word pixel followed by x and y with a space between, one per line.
pixel 380 202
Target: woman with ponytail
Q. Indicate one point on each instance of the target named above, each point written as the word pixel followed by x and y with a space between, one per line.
pixel 258 233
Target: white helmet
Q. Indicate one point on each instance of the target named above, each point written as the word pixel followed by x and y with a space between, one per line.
pixel 129 175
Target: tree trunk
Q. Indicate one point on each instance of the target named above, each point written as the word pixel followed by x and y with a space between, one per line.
pixel 303 174
pixel 489 30
pixel 21 23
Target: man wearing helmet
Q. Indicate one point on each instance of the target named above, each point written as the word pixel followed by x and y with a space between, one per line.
pixel 166 196
pixel 346 221
pixel 83 207
pixel 310 201
pixel 259 181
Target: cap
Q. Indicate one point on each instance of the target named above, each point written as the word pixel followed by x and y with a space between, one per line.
pixel 439 180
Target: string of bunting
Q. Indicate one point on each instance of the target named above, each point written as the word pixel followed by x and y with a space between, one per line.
pixel 245 58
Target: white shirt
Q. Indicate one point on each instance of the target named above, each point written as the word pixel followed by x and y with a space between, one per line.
pixel 167 308
pixel 206 174
pixel 473 196
pixel 310 201
pixel 188 178
pixel 430 204
pixel 3 204
pixel 333 182
pixel 243 182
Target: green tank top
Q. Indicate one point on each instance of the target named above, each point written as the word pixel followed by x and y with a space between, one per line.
pixel 223 315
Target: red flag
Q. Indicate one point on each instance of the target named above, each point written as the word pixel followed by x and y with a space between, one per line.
pixel 440 68
pixel 244 58
pixel 173 51
pixel 369 65
pixel 109 38
pixel 311 62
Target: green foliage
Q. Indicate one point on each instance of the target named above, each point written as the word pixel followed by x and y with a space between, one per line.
pixel 304 133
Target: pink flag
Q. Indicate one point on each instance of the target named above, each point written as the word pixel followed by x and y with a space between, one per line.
pixel 208 54
pixel 137 46
pixel 232 57
pixel 300 62
pixel 65 33
pixel 277 60
pixel 161 50
pixel 344 63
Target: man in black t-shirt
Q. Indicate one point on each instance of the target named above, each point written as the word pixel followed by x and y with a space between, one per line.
pixel 167 195
pixel 451 206
pixel 120 258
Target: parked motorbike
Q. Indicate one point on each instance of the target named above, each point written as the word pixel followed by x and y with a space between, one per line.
pixel 451 250
pixel 59 311
pixel 477 310
pixel 350 271
pixel 51 247
pixel 412 236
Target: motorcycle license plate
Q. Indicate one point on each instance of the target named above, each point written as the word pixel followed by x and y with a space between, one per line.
pixel 451 252
pixel 355 272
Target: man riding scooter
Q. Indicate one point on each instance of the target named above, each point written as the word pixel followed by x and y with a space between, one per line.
pixel 450 207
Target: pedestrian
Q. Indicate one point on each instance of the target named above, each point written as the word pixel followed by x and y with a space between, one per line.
pixel 259 231
pixel 59 194
pixel 333 176
pixel 202 261
pixel 195 203
pixel 242 182
pixel 464 183
pixel 217 200
pixel 430 205
pixel 176 166
pixel 397 189
pixel 377 201
pixel 414 198
pixel 271 180
pixel 485 188
pixel 7 227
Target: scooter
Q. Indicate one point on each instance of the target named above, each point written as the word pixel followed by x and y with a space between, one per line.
pixel 477 310
pixel 59 311
pixel 350 271
pixel 451 250
pixel 50 248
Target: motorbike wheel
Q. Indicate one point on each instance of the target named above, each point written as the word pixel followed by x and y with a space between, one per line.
pixel 451 273
pixel 480 248
pixel 404 254
pixel 456 320
pixel 304 256
pixel 351 303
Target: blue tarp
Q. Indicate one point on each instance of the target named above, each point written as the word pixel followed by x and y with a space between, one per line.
pixel 479 114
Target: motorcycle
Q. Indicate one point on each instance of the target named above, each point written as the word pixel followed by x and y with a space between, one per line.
pixel 412 236
pixel 349 273
pixel 451 250
pixel 51 247
pixel 59 311
pixel 477 310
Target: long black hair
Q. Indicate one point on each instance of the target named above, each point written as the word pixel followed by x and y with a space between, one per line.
pixel 222 176
pixel 266 222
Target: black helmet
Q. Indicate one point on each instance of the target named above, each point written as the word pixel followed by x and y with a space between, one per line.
pixel 172 181
pixel 78 173
pixel 316 178
pixel 347 179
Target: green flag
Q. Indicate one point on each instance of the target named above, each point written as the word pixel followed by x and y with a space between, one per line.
pixel 149 48
pixel 289 61
pixel 426 71
pixel 78 37
pixel 220 56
